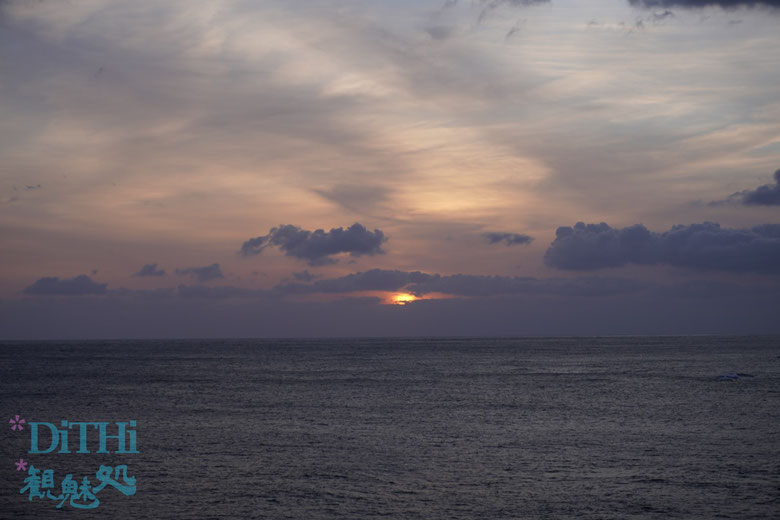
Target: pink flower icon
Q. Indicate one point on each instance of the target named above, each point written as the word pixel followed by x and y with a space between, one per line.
pixel 21 465
pixel 17 423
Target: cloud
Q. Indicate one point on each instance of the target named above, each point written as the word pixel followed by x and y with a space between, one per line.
pixel 316 247
pixel 706 308
pixel 486 286
pixel 150 270
pixel 510 239
pixel 514 30
pixel 439 32
pixel 163 293
pixel 664 15
pixel 725 4
pixel 355 197
pixel 594 246
pixel 766 195
pixel 15 196
pixel 702 247
pixel 202 274
pixel 304 276
pixel 466 285
pixel 78 285
pixel 216 293
pixel 373 280
pixel 491 5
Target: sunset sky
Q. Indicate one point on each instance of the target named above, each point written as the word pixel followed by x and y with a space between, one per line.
pixel 360 168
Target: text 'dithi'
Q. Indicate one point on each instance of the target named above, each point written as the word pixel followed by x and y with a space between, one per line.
pixel 47 438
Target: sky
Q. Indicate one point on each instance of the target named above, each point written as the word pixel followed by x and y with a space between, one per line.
pixel 388 168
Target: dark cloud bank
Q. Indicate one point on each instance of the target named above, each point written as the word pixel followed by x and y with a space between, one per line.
pixel 216 293
pixel 79 308
pixel 213 312
pixel 373 280
pixel 317 247
pixel 467 285
pixel 726 4
pixel 415 282
pixel 702 247
pixel 489 5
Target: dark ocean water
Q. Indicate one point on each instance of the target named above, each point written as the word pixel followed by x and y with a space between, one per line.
pixel 410 428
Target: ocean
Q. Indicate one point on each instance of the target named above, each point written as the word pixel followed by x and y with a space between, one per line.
pixel 407 428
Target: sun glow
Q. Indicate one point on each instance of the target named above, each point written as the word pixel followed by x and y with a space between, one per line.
pixel 403 298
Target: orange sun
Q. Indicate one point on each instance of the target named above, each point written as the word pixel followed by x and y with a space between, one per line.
pixel 403 298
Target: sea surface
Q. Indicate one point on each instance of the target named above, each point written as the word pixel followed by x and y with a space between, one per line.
pixel 586 428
